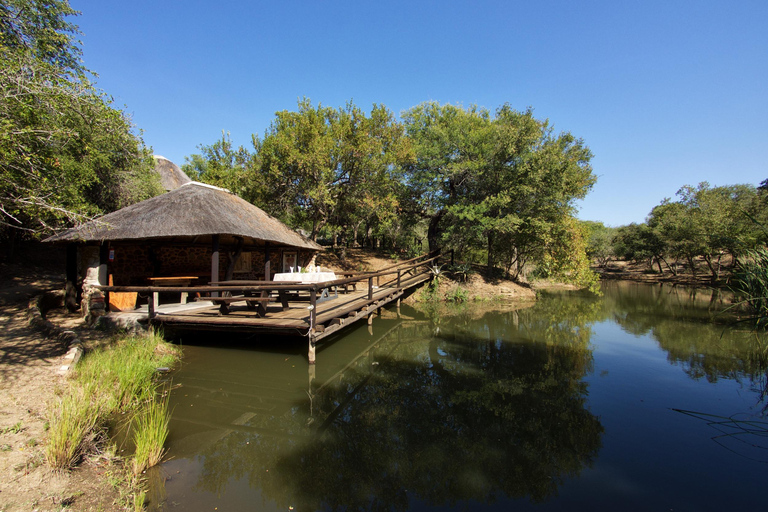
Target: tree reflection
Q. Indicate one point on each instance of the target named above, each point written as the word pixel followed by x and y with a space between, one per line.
pixel 691 326
pixel 471 415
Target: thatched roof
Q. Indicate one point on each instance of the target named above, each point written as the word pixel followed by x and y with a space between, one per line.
pixel 193 211
pixel 171 176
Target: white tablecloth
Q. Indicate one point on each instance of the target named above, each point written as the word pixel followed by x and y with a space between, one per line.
pixel 305 277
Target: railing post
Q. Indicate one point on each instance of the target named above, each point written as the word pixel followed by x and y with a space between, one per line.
pixel 152 304
pixel 370 288
pixel 398 278
pixel 313 308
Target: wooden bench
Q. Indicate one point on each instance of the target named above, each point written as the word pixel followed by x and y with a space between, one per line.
pixel 253 303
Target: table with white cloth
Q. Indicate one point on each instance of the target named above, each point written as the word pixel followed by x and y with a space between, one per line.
pixel 309 277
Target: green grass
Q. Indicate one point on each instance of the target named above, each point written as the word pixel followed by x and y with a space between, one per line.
pixel 119 378
pixel 150 430
pixel 73 422
pixel 750 283
pixel 13 429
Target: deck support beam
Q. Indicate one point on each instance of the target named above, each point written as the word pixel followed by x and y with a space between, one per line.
pixel 215 262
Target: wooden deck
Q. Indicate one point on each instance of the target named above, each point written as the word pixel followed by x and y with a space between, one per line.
pixel 330 315
pixel 306 312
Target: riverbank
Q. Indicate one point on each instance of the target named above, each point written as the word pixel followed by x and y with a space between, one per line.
pixel 472 284
pixel 641 273
pixel 30 381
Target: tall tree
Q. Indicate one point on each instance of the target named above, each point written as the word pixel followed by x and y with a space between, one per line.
pixel 66 153
pixel 223 165
pixel 332 167
pixel 505 183
pixel 452 147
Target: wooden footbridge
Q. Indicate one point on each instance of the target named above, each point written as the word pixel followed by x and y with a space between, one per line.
pixel 313 310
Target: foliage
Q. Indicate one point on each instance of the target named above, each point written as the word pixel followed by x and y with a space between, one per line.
pixel 327 167
pixel 600 242
pixel 72 420
pixel 458 295
pixel 505 182
pixel 223 166
pixel 150 431
pixel 704 222
pixel 750 283
pixel 66 153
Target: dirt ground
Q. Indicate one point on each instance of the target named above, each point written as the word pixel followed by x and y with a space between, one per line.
pixel 641 272
pixel 478 286
pixel 29 380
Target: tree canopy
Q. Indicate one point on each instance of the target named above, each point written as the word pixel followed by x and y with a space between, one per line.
pixel 496 188
pixel 66 153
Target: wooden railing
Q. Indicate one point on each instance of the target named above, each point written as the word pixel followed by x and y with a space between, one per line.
pixel 257 287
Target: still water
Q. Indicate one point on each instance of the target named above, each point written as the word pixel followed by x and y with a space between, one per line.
pixel 642 399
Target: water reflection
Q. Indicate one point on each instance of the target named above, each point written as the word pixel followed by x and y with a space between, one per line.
pixel 695 327
pixel 438 409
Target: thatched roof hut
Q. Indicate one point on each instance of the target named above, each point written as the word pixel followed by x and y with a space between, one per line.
pixel 193 211
pixel 171 176
pixel 195 230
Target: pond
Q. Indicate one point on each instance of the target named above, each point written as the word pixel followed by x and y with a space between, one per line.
pixel 643 399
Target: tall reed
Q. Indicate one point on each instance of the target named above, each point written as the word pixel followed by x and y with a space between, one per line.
pixel 750 283
pixel 118 378
pixel 150 430
pixel 72 424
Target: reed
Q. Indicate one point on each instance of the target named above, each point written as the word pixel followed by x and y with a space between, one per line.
pixel 750 283
pixel 118 378
pixel 72 424
pixel 150 430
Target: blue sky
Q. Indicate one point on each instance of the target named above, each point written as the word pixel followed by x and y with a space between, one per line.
pixel 665 93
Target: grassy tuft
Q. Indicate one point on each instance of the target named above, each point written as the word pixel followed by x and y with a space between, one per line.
pixel 750 283
pixel 73 422
pixel 150 430
pixel 118 378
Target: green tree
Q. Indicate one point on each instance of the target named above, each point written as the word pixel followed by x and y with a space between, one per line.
pixel 600 245
pixel 505 183
pixel 333 168
pixel 222 165
pixel 66 153
pixel 708 222
pixel 452 146
pixel 640 242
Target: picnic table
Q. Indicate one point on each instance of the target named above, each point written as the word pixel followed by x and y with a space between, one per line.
pixel 254 302
pixel 173 281
pixel 309 277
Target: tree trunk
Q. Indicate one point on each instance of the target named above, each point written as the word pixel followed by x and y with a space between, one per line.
pixel 491 260
pixel 433 233
pixel 671 269
pixel 692 265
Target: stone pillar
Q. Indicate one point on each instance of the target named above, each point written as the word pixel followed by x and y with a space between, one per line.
pixel 93 304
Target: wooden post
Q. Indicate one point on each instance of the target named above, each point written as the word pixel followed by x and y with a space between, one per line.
pixel 370 297
pixel 267 263
pixel 103 270
pixel 398 278
pixel 312 321
pixel 152 305
pixel 215 262
pixel 313 307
